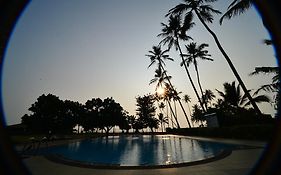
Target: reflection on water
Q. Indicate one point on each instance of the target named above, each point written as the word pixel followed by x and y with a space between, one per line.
pixel 138 150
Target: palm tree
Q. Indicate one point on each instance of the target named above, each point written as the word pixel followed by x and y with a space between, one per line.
pixel 237 7
pixel 232 96
pixel 158 56
pixel 195 52
pixel 197 115
pixel 208 96
pixel 274 86
pixel 172 33
pixel 168 96
pixel 204 13
pixel 160 78
pixel 187 99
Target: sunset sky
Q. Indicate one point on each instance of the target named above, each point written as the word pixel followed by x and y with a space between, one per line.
pixel 79 50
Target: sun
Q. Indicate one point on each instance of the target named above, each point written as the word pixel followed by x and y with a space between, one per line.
pixel 160 90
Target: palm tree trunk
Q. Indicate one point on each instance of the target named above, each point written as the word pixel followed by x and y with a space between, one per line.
pixel 200 87
pixel 189 77
pixel 190 113
pixel 174 114
pixel 177 99
pixel 175 107
pixel 168 115
pixel 230 64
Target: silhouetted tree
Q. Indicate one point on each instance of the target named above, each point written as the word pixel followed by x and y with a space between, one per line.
pixel 174 31
pixel 157 56
pixel 274 86
pixel 197 114
pixel 232 96
pixel 146 111
pixel 204 12
pixel 49 113
pixel 195 52
pixel 187 99
pixel 208 96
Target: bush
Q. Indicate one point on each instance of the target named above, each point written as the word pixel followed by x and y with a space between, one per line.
pixel 253 132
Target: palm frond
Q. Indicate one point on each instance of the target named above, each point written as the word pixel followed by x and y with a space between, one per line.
pixel 236 8
pixel 265 70
pixel 206 16
pixel 260 99
pixel 220 93
pixel 267 88
pixel 179 9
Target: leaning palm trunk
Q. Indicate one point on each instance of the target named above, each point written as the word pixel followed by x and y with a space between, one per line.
pixel 171 109
pixel 200 87
pixel 177 99
pixel 189 77
pixel 230 64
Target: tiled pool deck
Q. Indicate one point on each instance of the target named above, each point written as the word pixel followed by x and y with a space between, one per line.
pixel 239 162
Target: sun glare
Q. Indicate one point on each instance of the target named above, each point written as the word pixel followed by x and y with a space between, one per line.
pixel 160 91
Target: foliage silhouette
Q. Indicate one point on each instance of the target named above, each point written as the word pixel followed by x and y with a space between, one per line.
pixel 50 114
pixel 174 31
pixel 205 12
pixel 237 7
pixel 195 52
pixel 146 111
pixel 157 56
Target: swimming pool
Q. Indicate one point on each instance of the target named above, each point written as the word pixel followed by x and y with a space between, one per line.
pixel 137 151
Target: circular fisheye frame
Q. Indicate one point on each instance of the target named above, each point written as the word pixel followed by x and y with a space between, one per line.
pixel 10 11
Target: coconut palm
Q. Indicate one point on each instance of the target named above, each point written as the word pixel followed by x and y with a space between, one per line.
pixel 197 115
pixel 237 7
pixel 168 96
pixel 274 86
pixel 204 12
pixel 208 96
pixel 157 56
pixel 187 99
pixel 232 96
pixel 174 31
pixel 195 52
pixel 160 78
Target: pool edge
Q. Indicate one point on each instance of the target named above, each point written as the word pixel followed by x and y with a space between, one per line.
pixel 62 160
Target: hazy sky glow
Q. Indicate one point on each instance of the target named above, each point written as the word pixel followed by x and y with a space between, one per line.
pixel 79 50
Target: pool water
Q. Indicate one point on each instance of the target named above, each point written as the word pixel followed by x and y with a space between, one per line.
pixel 138 150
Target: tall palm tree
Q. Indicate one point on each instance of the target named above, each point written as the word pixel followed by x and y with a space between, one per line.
pixel 205 12
pixel 172 33
pixel 195 52
pixel 157 56
pixel 237 7
pixel 187 99
pixel 168 96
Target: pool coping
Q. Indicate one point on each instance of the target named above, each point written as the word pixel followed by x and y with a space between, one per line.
pixel 63 160
pixel 82 164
